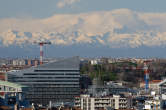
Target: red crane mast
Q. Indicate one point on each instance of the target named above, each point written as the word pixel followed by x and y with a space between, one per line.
pixel 41 44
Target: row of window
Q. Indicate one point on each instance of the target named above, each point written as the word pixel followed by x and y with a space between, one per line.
pixel 53 93
pixel 50 74
pixel 54 88
pixel 71 77
pixel 51 96
pixel 56 70
pixel 54 85
pixel 48 80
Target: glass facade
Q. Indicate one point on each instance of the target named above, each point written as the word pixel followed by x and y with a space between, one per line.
pixel 56 82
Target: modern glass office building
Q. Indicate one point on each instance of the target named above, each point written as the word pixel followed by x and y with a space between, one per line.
pixel 56 81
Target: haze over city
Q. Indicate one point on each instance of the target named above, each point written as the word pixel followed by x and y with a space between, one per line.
pixel 82 55
pixel 117 28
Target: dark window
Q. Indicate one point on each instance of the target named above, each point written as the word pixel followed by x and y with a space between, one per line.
pixel 56 70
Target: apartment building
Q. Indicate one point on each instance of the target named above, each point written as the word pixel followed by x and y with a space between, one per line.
pixel 85 102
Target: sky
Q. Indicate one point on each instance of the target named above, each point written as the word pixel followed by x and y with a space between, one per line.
pixel 46 8
pixel 88 28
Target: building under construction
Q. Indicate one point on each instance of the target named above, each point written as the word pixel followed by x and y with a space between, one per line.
pixel 55 81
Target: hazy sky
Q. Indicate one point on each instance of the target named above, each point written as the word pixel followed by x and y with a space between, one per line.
pixel 45 8
pixel 83 27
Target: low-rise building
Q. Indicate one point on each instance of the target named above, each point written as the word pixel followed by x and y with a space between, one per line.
pixel 94 62
pixel 152 105
pixel 162 86
pixel 153 85
pixel 85 102
pixel 17 62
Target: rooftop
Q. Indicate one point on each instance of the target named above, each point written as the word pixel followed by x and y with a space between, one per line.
pixel 14 85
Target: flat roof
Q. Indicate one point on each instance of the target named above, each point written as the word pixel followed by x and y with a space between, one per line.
pixel 14 85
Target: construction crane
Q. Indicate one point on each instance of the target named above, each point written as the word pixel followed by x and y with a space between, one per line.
pixel 41 44
pixel 146 73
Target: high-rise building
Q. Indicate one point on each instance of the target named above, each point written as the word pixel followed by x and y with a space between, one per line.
pixel 56 81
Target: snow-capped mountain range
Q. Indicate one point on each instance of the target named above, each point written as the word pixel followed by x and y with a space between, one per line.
pixel 121 28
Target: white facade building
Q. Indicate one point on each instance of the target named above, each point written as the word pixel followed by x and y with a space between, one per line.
pixel 152 105
pixel 85 102
pixel 94 62
pixel 18 62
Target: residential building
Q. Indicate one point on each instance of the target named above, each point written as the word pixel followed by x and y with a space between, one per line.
pixel 100 90
pixel 93 62
pixel 17 62
pixel 153 85
pixel 162 86
pixel 85 102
